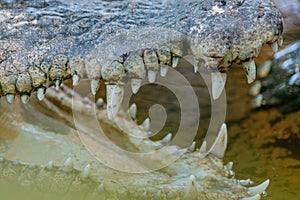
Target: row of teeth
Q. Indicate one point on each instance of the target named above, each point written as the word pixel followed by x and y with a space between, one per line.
pixel 68 166
pixel 134 65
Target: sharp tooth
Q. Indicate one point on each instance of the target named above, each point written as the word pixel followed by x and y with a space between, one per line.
pixel 146 124
pixel 86 172
pixel 57 84
pixel 41 93
pixel 274 47
pixel 202 150
pixel 264 69
pixel 99 102
pixel 229 166
pixel 196 66
pixel 49 165
pixel 151 76
pixel 191 189
pixel 132 111
pixel 220 144
pixel 259 188
pixel 280 41
pixel 24 98
pixel 246 182
pixel 255 197
pixel 115 94
pixel 218 83
pixel 193 146
pixel 167 139
pixel 250 70
pixel 10 98
pixel 175 61
pixel 68 165
pixel 163 70
pixel 255 88
pixel 94 86
pixel 75 79
pixel 135 85
pixel 257 101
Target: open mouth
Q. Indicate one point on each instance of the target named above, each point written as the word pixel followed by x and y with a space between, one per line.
pixel 120 43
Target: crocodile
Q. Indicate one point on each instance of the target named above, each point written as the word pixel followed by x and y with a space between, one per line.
pixel 115 43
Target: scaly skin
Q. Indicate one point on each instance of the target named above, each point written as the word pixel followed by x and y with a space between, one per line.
pixel 42 44
pixel 189 177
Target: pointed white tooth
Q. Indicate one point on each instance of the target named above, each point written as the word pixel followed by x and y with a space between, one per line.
pixel 193 146
pixel 191 189
pixel 203 148
pixel 135 85
pixel 250 70
pixel 167 139
pixel 245 182
pixel 163 70
pixel 196 66
pixel 175 61
pixel 264 69
pixel 49 165
pixel 75 79
pixel 86 171
pixel 220 144
pixel 259 189
pixel 94 86
pixel 229 165
pixel 10 98
pixel 114 94
pixel 218 83
pixel 57 84
pixel 41 93
pixel 100 102
pixel 274 47
pixel 255 197
pixel 146 124
pixel 255 88
pixel 24 98
pixel 258 101
pixel 68 165
pixel 280 41
pixel 132 111
pixel 151 76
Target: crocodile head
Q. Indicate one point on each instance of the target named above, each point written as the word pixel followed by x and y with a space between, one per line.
pixel 119 42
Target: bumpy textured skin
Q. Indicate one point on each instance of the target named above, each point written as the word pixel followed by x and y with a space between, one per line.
pixel 282 85
pixel 189 177
pixel 42 42
pixel 46 41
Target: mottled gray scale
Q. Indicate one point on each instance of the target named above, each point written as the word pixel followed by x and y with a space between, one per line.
pixel 114 72
pixel 164 56
pixel 76 66
pixel 151 60
pixel 37 77
pixel 24 84
pixel 58 68
pixel 102 31
pixel 134 65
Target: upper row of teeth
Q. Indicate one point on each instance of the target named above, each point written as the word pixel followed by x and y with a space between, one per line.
pixel 136 66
